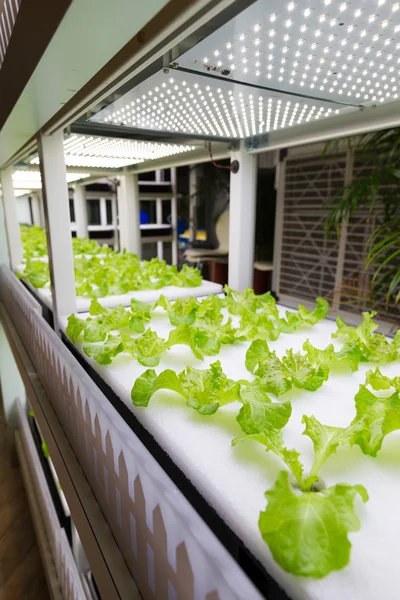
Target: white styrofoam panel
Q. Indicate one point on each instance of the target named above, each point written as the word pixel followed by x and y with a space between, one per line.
pixel 83 304
pixel 234 480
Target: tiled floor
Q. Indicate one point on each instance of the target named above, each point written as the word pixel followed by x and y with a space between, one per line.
pixel 21 572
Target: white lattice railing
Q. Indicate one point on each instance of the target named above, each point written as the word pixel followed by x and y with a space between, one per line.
pixel 68 576
pixel 169 549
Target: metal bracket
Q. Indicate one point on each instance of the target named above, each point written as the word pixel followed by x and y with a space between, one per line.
pixel 256 142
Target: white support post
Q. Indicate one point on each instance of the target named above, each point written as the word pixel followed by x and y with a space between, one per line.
pixel 174 217
pixel 160 243
pixel 36 213
pixel 193 182
pixel 280 176
pixel 11 218
pixel 58 226
pixel 103 212
pixel 114 218
pixel 41 208
pixel 242 216
pixel 129 213
pixel 80 207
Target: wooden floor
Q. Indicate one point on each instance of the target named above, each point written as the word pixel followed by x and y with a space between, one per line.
pixel 21 572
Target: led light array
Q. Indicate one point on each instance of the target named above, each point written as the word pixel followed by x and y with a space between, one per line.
pixel 32 180
pixel 179 106
pixel 104 152
pixel 327 48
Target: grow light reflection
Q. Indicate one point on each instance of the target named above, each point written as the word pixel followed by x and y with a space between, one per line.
pixel 205 110
pixel 103 152
pixel 313 34
pixel 30 179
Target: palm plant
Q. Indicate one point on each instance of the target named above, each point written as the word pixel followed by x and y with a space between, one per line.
pixel 380 190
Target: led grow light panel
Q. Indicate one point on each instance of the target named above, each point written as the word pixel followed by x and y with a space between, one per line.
pixel 104 152
pixel 183 103
pixel 31 180
pixel 335 49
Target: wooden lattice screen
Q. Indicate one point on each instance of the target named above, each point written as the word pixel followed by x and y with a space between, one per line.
pixel 309 263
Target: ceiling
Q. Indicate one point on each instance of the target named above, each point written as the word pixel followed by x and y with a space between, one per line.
pixel 90 34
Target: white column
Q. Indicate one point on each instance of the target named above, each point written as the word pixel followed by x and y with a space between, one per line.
pixel 114 219
pixel 80 207
pixel 36 214
pixel 11 218
pixel 41 208
pixel 58 227
pixel 242 212
pixel 280 176
pixel 103 212
pixel 174 217
pixel 129 214
pixel 160 243
pixel 193 182
pixel 4 253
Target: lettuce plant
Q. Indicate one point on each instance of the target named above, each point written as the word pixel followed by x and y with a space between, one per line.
pixel 305 525
pixel 204 390
pixel 259 316
pixel 374 346
pixel 378 415
pixel 99 271
pixel 279 376
pixel 307 532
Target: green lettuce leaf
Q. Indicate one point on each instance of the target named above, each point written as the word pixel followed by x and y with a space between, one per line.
pixel 204 390
pixel 378 416
pixel 104 353
pixel 326 439
pixel 275 378
pixel 374 346
pixel 97 309
pixel 141 310
pixel 136 324
pixel 308 533
pixel 94 331
pixel 320 312
pixel 259 414
pixel 148 348
pixel 303 373
pixel 188 277
pixel 45 450
pixel 75 327
pixel 207 343
pixel 143 388
pixel 185 335
pixel 36 272
pixel 273 442
pixel 182 311
pixel 350 354
pixel 116 318
pixel 378 381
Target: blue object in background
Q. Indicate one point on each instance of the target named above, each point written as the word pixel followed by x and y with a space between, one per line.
pixel 144 217
pixel 182 226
